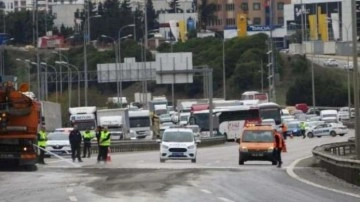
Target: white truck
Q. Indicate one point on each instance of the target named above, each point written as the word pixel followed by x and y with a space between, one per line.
pixel 119 101
pixel 140 124
pixel 117 121
pixel 51 115
pixel 329 116
pixel 83 117
pixel 160 109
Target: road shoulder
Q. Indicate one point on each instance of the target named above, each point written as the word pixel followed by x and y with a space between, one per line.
pixel 307 170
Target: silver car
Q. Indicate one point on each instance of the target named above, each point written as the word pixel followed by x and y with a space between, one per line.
pixel 58 143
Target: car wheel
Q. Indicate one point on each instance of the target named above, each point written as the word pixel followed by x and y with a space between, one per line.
pixel 162 160
pixel 226 137
pixel 241 162
pixel 332 134
pixel 310 135
pixel 193 160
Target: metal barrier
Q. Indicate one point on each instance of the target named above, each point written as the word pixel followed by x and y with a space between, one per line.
pixel 147 145
pixel 339 160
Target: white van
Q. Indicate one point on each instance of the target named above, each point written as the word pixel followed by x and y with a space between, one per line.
pixel 329 116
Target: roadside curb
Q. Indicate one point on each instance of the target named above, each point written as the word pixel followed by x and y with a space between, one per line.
pixel 291 173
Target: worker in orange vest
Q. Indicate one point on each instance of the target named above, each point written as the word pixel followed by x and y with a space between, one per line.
pixel 279 146
pixel 284 130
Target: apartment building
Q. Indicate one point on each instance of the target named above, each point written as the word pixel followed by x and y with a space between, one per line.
pixel 257 11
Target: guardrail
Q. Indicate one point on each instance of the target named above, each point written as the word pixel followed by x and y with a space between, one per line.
pixel 147 145
pixel 339 160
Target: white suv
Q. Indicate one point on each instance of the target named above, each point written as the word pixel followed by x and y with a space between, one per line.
pixel 178 144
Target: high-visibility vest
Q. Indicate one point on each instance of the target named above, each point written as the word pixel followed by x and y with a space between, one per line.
pixel 103 136
pixel 88 135
pixel 42 140
pixel 282 144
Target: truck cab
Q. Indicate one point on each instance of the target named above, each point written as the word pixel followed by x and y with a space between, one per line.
pixel 140 123
pixel 83 117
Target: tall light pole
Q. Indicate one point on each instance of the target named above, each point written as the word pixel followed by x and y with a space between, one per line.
pixel 78 82
pixel 69 80
pixel 56 80
pixel 347 27
pixel 119 84
pixel 86 41
pixel 356 77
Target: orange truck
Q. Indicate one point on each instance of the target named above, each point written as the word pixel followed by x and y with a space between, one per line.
pixel 19 122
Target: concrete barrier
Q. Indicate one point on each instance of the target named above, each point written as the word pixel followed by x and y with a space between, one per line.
pixel 339 160
pixel 148 145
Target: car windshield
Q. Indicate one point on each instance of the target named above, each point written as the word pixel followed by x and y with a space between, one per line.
pixel 178 136
pixel 58 136
pixel 293 125
pixel 184 118
pixel 258 136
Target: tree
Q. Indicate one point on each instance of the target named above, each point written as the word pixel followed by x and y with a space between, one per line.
pixel 174 5
pixel 206 13
pixel 151 16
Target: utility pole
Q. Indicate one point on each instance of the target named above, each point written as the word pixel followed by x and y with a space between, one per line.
pixel 86 31
pixel 40 96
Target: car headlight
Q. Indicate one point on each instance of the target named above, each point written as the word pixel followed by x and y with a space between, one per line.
pixel 243 149
pixel 271 149
pixel 164 147
pixel 191 147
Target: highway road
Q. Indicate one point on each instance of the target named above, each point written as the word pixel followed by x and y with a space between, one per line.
pixel 141 177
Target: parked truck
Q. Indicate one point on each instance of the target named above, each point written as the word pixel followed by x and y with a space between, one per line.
pixel 19 124
pixel 140 124
pixel 83 117
pixel 50 115
pixel 117 121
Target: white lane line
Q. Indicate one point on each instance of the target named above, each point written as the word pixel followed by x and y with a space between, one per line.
pixel 225 199
pixel 291 173
pixel 194 184
pixel 69 190
pixel 206 191
pixel 73 198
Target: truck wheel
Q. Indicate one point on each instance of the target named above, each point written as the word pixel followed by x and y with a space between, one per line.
pixel 226 137
pixel 162 160
pixel 30 168
pixel 241 162
pixel 310 135
pixel 193 160
pixel 332 134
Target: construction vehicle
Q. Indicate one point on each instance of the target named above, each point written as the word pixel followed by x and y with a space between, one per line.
pixel 19 124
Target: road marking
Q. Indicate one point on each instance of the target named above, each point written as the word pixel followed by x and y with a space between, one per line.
pixel 206 191
pixel 73 198
pixel 194 185
pixel 291 173
pixel 69 190
pixel 225 199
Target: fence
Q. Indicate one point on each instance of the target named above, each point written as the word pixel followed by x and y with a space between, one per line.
pixel 339 160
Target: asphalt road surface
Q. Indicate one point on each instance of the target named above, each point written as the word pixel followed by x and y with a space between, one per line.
pixel 141 177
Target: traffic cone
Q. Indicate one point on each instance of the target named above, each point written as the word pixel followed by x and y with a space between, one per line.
pixel 108 158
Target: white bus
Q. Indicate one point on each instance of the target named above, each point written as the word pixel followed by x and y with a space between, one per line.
pixel 270 110
pixel 229 121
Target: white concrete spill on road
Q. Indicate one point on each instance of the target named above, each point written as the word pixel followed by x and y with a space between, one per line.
pixel 225 199
pixel 59 157
pixel 206 191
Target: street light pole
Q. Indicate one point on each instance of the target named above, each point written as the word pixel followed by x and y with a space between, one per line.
pixel 56 80
pixel 223 64
pixel 77 69
pixel 119 65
